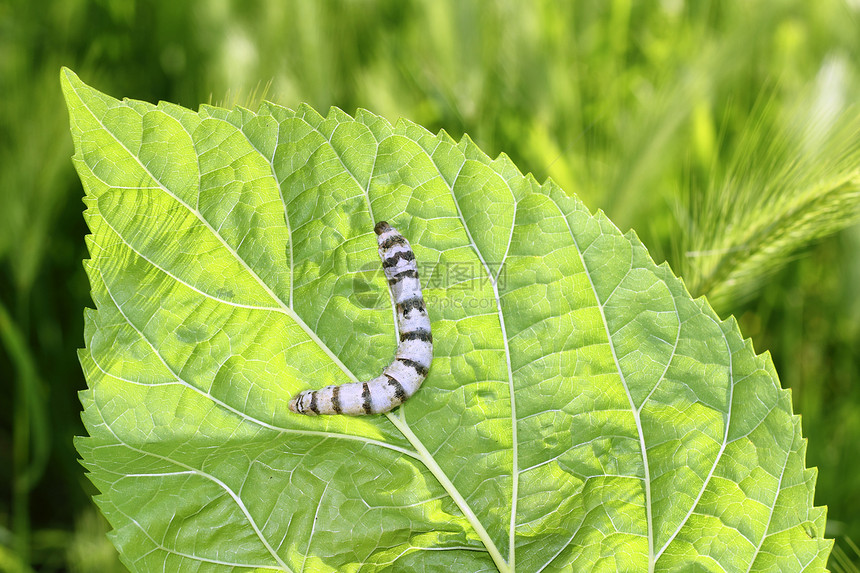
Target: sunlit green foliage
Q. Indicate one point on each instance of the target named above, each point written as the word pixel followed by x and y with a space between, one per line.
pixel 656 112
pixel 584 410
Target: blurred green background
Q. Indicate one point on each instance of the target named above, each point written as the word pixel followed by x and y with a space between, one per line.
pixel 724 132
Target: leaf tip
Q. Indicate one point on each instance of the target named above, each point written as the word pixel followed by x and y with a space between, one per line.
pixel 66 73
pixel 68 80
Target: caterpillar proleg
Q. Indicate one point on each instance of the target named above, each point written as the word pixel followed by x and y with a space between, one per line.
pixel 400 379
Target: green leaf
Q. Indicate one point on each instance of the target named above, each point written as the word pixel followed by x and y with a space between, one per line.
pixel 582 413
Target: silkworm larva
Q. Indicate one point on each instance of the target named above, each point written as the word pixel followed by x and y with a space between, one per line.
pixel 400 379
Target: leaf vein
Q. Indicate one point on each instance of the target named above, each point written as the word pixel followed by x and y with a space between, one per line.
pixel 727 422
pixel 236 499
pixel 181 382
pixel 642 447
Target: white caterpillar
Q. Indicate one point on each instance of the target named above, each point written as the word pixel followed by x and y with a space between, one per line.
pixel 400 379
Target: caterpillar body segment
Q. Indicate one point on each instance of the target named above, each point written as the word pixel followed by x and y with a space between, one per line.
pixel 402 378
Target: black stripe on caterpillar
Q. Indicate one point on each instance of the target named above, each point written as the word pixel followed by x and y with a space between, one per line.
pixel 402 378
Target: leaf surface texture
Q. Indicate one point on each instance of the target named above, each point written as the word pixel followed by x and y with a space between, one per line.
pixel 582 413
